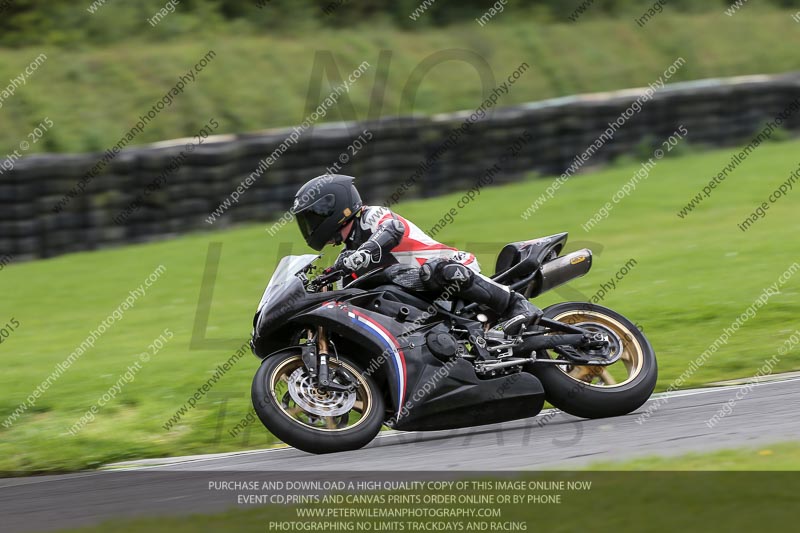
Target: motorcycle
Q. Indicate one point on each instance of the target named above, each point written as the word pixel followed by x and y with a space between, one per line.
pixel 341 361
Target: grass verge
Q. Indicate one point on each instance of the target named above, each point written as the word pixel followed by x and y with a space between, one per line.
pixel 777 457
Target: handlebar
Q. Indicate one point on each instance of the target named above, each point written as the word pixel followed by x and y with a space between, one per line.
pixel 328 276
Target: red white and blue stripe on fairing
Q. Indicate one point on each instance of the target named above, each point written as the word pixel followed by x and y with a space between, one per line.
pixel 387 340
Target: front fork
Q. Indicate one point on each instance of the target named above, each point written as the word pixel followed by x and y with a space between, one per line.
pixel 316 356
pixel 323 379
pixel 322 357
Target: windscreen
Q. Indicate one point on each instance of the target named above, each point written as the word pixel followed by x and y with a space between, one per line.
pixel 287 268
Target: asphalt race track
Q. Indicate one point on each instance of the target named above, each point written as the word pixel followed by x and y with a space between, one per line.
pixel 552 440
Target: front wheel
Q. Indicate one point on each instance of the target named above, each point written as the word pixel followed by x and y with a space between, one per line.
pixel 600 391
pixel 290 406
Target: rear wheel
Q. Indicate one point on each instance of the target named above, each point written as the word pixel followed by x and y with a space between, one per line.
pixel 290 406
pixel 600 391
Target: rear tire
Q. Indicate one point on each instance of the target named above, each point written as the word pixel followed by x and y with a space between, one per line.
pixel 583 391
pixel 287 419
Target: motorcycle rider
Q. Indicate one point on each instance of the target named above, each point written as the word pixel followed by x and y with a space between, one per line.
pixel 329 210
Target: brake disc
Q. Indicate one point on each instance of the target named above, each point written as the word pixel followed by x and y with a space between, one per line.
pixel 318 402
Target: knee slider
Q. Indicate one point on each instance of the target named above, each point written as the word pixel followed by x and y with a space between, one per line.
pixel 456 273
pixel 442 273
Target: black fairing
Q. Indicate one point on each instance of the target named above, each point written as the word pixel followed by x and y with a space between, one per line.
pixel 394 303
pixel 450 395
pixel 269 324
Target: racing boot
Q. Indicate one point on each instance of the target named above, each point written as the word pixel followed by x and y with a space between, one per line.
pixel 522 313
pixel 513 307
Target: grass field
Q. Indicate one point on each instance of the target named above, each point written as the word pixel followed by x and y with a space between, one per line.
pixel 692 278
pixel 256 82
pixel 778 457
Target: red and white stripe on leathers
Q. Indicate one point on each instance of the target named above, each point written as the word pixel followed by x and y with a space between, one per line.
pixel 416 247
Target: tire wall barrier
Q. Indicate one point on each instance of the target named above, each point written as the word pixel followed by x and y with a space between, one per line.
pixel 404 158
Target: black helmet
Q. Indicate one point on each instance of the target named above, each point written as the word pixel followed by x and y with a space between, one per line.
pixel 323 205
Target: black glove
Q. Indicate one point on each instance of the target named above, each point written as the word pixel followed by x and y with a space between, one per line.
pixel 350 261
pixel 339 263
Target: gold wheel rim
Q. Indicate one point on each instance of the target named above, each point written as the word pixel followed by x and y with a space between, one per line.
pixel 623 371
pixel 278 387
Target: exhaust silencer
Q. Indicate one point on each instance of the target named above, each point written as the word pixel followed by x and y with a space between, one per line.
pixel 559 271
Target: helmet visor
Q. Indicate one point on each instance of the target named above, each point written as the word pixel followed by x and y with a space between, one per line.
pixel 312 217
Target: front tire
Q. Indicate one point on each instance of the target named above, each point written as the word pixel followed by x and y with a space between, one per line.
pixel 598 392
pixel 315 421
